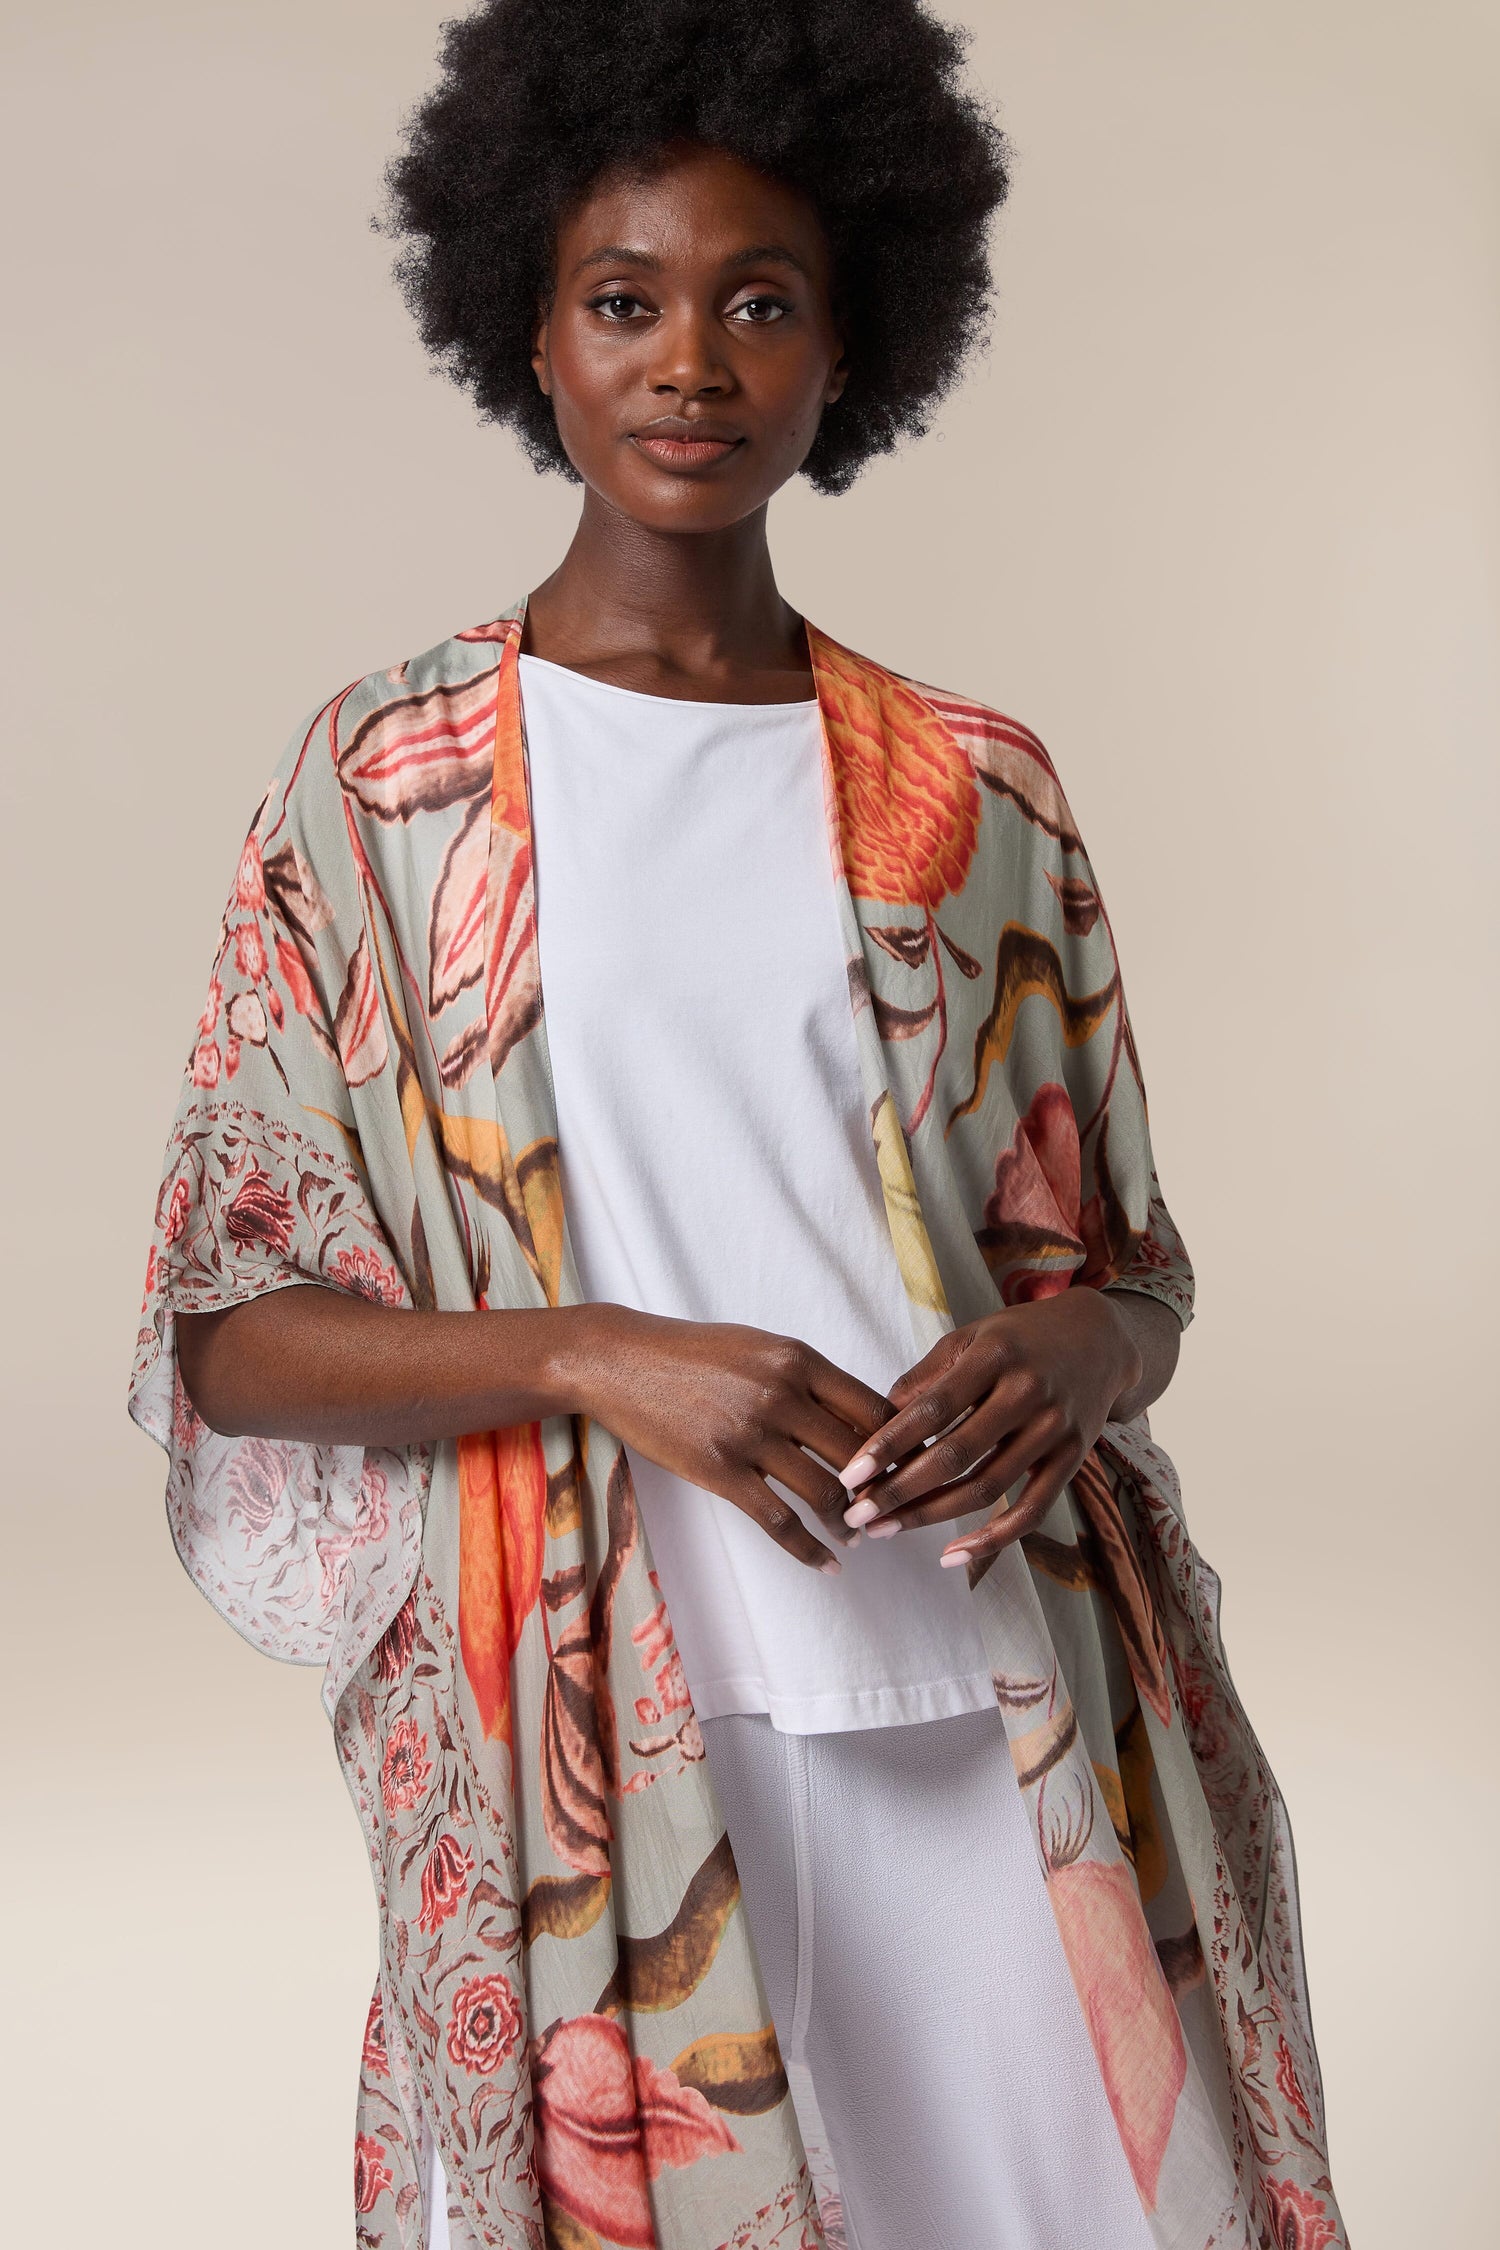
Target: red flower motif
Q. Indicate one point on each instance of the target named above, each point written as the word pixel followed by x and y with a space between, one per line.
pixel 371 2174
pixel 250 881
pixel 376 2058
pixel 177 1211
pixel 260 1213
pixel 445 1878
pixel 250 951
pixel 392 1652
pixel 206 1062
pixel 187 1429
pixel 1289 2086
pixel 363 1272
pixel 484 2026
pixel 406 1768
pixel 608 2122
pixel 1299 2219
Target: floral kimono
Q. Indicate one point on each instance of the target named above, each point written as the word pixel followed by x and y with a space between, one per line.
pixel 568 1996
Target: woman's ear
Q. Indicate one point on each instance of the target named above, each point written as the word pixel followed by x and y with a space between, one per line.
pixel 838 376
pixel 539 353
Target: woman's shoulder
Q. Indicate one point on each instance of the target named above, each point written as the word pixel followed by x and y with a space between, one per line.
pixel 1007 758
pixel 411 737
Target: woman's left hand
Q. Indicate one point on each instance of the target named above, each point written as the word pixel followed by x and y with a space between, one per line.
pixel 1023 1390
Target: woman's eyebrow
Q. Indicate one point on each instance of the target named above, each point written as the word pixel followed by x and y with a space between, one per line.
pixel 621 254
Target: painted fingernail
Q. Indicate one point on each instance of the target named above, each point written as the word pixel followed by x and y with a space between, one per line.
pixel 832 1567
pixel 859 1471
pixel 887 1530
pixel 862 1512
pixel 951 1557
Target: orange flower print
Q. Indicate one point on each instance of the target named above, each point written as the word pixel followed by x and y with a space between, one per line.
pixel 502 1503
pixel 907 800
pixel 1132 2020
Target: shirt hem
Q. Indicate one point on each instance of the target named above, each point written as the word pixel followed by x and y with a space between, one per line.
pixel 846 1710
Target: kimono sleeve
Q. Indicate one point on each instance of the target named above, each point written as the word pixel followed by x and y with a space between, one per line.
pixel 1131 1241
pixel 1075 1199
pixel 306 1549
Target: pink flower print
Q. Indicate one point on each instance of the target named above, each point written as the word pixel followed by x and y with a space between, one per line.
pixel 372 1507
pixel 1289 2086
pixel 361 1271
pixel 211 1007
pixel 371 2174
pixel 260 1213
pixel 247 1019
pixel 445 1878
pixel 392 1652
pixel 250 881
pixel 484 2025
pixel 376 2060
pixel 1299 2219
pixel 177 1211
pixel 206 1062
pixel 406 1768
pixel 653 1636
pixel 250 951
pixel 671 1685
pixel 255 1480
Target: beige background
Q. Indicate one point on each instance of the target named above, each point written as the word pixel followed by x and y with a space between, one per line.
pixel 1218 517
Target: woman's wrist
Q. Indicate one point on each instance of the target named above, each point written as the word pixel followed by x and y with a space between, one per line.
pixel 585 1343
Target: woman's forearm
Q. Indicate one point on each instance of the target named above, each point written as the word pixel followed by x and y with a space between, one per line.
pixel 1156 1332
pixel 312 1363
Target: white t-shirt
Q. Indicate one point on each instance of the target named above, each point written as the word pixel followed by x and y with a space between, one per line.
pixel 717 1163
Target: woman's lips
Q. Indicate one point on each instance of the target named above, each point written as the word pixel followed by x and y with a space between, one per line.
pixel 684 453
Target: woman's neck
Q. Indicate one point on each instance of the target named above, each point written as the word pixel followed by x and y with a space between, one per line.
pixel 695 615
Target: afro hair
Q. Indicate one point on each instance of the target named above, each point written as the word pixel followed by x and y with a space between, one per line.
pixel 855 103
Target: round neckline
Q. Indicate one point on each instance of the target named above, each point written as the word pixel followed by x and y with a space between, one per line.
pixel 672 702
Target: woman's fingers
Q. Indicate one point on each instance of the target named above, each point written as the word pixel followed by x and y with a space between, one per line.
pixel 823 1432
pixel 967 1372
pixel 955 1455
pixel 844 1395
pixel 781 1522
pixel 811 1482
pixel 1041 1488
pixel 985 1486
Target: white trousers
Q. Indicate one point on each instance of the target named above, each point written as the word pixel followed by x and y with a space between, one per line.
pixel 915 1973
pixel 935 2047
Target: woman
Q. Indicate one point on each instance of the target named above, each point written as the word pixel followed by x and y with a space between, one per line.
pixel 714 1825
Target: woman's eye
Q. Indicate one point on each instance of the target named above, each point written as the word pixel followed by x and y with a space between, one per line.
pixel 618 305
pixel 763 310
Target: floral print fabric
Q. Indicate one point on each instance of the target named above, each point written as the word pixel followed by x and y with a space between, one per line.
pixel 568 1996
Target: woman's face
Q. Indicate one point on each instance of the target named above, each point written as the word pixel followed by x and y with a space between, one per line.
pixel 691 347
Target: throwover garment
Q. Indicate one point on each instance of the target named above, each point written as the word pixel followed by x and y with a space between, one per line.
pixel 567 1995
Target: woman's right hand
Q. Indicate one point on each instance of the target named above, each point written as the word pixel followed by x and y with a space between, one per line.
pixel 725 1407
pixel 728 1408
